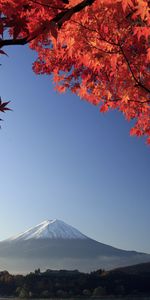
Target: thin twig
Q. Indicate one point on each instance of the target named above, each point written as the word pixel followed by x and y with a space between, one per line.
pixel 48 5
pixel 133 75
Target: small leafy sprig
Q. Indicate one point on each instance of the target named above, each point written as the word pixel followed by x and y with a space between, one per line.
pixel 3 106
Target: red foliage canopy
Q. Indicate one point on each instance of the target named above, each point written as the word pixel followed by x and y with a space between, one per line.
pixel 99 49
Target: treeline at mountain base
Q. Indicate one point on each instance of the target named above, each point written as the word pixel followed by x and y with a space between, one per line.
pixel 133 281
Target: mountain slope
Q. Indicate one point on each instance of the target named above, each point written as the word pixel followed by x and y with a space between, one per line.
pixel 54 244
pixel 50 229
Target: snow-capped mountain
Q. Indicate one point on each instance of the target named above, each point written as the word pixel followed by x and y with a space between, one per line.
pixel 53 244
pixel 50 229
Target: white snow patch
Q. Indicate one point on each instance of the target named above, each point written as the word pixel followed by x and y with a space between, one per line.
pixel 50 229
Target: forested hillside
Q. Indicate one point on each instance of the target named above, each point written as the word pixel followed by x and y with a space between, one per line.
pixel 132 281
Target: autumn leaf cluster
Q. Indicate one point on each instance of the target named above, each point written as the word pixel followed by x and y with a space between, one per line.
pixel 98 49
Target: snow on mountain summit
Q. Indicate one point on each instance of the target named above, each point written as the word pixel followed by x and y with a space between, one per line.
pixel 50 229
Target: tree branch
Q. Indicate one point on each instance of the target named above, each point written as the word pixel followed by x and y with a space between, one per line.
pixel 130 100
pixel 48 5
pixel 59 19
pixel 135 79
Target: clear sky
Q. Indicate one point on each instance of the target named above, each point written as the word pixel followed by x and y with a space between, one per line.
pixel 60 158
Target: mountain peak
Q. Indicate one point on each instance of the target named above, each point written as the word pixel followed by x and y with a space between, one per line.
pixel 50 229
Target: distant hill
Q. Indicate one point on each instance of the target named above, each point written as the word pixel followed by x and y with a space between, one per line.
pixel 135 269
pixel 53 244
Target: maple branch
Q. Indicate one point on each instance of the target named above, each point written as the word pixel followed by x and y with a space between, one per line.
pixel 47 5
pixel 139 83
pixel 71 11
pixel 94 30
pixel 59 19
pixel 129 100
pixel 99 49
pixel 140 102
pixel 12 42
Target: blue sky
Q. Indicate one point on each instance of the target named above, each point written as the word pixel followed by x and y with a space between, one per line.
pixel 60 158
